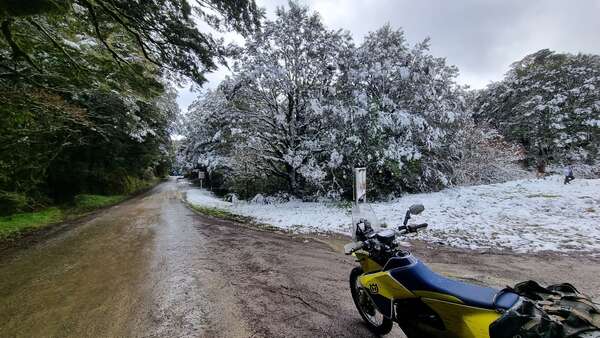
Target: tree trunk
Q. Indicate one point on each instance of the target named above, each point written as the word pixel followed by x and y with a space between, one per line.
pixel 292 181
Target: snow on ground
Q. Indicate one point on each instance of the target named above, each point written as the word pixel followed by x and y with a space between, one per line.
pixel 524 215
pixel 205 198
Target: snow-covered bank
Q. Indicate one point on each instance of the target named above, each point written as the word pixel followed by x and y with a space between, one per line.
pixel 523 215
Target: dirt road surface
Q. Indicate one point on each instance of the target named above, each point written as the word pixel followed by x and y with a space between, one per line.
pixel 150 267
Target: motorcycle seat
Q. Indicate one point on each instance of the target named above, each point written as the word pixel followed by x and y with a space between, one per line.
pixel 419 277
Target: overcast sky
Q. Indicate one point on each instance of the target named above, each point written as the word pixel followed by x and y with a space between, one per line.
pixel 481 37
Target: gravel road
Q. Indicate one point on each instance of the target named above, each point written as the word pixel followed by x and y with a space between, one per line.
pixel 150 267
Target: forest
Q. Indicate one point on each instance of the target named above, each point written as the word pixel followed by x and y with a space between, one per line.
pixel 304 105
pixel 89 88
pixel 88 91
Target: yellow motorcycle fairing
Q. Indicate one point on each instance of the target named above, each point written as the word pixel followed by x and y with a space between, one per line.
pixel 384 289
pixel 459 319
pixel 366 263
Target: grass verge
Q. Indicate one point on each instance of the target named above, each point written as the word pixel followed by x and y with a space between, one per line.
pixel 84 203
pixel 227 215
pixel 14 226
pixel 335 241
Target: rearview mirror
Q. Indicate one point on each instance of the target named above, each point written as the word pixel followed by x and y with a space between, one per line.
pixel 416 209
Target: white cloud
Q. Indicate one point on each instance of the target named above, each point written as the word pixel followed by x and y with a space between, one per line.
pixel 481 37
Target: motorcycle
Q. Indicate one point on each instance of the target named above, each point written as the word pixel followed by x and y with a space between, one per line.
pixel 391 285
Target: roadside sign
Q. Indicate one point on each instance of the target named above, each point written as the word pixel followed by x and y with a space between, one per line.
pixel 201 175
pixel 360 184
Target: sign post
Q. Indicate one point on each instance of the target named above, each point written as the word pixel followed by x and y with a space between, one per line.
pixel 360 185
pixel 201 177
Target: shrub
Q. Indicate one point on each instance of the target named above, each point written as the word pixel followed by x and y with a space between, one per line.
pixel 12 202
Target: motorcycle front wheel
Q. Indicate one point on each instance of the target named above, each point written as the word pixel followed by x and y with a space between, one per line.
pixel 376 321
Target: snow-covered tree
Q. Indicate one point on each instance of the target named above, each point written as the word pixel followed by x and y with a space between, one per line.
pixel 208 128
pixel 304 107
pixel 284 83
pixel 404 107
pixel 550 103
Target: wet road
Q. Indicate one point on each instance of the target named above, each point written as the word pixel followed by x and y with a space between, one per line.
pixel 150 267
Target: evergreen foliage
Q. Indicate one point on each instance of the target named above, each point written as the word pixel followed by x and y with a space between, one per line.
pixel 550 103
pixel 86 104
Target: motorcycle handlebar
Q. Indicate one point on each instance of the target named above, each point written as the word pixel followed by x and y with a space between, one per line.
pixel 419 226
pixel 354 246
pixel 412 227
